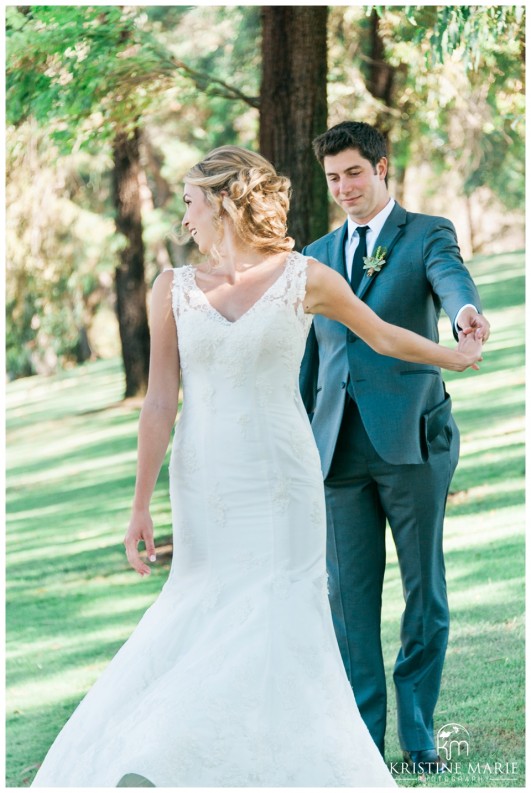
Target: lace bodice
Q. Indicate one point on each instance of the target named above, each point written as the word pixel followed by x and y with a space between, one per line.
pixel 289 288
pixel 263 346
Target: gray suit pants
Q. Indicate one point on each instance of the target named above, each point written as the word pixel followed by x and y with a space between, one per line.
pixel 362 490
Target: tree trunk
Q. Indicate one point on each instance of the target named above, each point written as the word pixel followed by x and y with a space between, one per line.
pixel 381 75
pixel 293 109
pixel 130 281
pixel 381 79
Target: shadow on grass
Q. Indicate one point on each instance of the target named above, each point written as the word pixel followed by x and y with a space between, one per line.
pixel 85 449
pixel 86 388
pixel 497 293
pixel 473 505
pixel 24 753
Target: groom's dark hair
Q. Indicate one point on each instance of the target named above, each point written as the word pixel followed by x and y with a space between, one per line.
pixel 351 135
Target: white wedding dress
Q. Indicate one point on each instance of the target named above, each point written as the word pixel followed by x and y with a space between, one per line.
pixel 233 676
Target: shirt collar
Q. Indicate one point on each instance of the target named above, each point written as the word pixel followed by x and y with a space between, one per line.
pixel 375 224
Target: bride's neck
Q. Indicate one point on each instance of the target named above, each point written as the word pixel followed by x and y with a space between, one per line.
pixel 233 257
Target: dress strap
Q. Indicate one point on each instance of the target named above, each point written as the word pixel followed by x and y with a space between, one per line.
pixel 297 267
pixel 182 289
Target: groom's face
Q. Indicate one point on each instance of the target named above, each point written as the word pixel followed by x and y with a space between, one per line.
pixel 357 186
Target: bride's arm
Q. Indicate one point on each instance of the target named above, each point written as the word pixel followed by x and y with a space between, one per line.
pixel 329 294
pixel 157 418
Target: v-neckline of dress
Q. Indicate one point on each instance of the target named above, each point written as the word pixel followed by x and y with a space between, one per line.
pixel 253 305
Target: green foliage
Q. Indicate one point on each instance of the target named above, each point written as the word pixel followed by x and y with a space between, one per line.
pixel 472 31
pixel 478 31
pixel 490 43
pixel 84 68
pixel 221 42
pixel 90 70
pixel 59 255
pixel 459 98
pixel 76 75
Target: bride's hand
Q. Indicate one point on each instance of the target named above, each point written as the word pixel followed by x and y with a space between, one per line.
pixel 470 345
pixel 140 529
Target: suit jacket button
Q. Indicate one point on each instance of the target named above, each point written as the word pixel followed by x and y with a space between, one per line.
pixel 343 385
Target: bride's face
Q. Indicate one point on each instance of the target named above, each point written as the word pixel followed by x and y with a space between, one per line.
pixel 199 218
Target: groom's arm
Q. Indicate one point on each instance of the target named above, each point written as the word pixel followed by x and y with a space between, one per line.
pixel 450 279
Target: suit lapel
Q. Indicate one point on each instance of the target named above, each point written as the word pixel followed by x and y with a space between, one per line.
pixel 336 250
pixel 388 237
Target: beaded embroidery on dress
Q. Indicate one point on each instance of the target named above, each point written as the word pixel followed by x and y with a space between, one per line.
pixel 233 676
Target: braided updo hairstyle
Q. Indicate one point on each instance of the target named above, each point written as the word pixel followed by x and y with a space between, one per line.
pixel 246 186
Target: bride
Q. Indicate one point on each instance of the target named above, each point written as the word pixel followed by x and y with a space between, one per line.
pixel 233 676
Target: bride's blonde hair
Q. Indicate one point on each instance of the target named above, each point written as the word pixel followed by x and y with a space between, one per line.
pixel 246 186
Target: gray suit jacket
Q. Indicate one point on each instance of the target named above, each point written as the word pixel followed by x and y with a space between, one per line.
pixel 403 405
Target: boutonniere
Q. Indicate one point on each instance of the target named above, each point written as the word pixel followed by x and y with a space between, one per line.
pixel 373 264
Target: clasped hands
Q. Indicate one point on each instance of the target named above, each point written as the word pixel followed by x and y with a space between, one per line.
pixel 474 332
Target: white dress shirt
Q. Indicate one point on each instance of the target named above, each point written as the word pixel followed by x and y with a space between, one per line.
pixel 375 225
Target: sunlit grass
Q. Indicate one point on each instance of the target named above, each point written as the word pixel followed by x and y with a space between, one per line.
pixel 72 600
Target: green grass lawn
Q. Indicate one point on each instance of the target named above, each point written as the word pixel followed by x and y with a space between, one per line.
pixel 72 599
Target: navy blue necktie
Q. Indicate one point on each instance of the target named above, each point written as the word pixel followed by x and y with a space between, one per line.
pixel 357 261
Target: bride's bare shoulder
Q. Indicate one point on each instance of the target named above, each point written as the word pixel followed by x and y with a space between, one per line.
pixel 314 264
pixel 162 287
pixel 318 273
pixel 324 286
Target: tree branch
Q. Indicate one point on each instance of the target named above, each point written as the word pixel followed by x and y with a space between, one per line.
pixel 204 80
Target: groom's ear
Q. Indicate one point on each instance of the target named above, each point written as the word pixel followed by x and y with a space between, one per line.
pixel 381 168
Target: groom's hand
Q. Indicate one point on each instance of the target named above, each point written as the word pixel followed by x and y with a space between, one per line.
pixel 469 320
pixel 470 344
pixel 140 529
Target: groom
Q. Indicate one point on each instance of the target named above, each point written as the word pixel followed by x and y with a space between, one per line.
pixel 385 433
